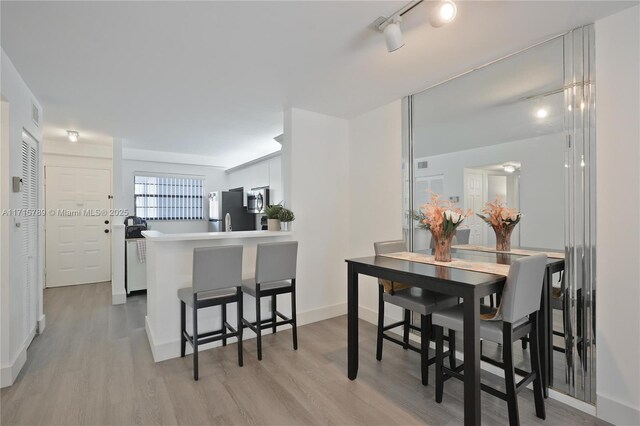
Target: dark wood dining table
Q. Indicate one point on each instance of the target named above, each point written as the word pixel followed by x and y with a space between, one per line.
pixel 471 286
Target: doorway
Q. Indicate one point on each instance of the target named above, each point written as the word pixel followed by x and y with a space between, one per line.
pixel 78 229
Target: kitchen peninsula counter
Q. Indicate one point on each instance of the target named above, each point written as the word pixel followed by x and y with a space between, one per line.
pixel 169 268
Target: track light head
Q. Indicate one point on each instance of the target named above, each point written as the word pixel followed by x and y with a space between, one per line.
pixel 393 34
pixel 444 13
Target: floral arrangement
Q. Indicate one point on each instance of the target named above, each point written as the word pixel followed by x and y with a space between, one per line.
pixel 502 219
pixel 442 218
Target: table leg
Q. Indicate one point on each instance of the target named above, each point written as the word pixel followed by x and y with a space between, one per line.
pixel 471 360
pixel 352 320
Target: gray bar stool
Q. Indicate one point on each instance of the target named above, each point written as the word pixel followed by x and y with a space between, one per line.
pixel 275 274
pixel 217 281
pixel 412 300
pixel 519 308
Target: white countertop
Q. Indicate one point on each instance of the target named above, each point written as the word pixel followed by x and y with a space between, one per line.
pixel 192 236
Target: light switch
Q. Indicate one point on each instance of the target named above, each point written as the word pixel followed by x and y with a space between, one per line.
pixel 17 184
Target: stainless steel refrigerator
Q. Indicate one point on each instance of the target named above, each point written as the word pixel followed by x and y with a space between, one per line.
pixel 223 202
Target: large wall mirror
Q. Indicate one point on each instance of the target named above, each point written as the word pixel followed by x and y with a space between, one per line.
pixel 520 130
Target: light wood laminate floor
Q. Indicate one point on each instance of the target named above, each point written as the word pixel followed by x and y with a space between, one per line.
pixel 93 366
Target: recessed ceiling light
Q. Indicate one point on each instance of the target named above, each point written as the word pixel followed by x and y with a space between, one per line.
pixel 541 113
pixel 509 168
pixel 444 13
pixel 73 135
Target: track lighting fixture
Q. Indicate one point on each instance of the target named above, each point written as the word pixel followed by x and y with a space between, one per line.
pixel 442 14
pixel 393 34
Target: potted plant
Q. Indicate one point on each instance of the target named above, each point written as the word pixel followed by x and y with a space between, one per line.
pixel 273 217
pixel 285 217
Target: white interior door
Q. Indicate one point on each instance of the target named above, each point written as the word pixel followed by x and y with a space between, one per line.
pixel 29 230
pixel 78 241
pixel 474 198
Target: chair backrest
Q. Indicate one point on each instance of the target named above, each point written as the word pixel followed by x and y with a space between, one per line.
pixel 276 261
pixel 523 289
pixel 432 244
pixel 463 235
pixel 384 247
pixel 216 268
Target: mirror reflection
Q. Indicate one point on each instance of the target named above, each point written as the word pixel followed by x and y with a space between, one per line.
pixel 497 134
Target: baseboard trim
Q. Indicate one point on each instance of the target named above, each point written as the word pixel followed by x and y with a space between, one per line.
pixel 9 373
pixel 162 351
pixel 42 323
pixel 371 316
pixel 616 412
pixel 118 298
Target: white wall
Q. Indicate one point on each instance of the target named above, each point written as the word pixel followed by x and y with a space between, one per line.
pixel 541 183
pixel 215 179
pixel 375 192
pixel 12 289
pixel 315 173
pixel 618 188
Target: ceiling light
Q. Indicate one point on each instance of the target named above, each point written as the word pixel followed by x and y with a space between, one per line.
pixel 541 113
pixel 509 168
pixel 393 34
pixel 444 13
pixel 73 135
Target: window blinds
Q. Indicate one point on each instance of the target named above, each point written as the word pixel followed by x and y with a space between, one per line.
pixel 169 198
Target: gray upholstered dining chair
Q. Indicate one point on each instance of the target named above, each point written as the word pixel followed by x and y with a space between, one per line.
pixel 519 309
pixel 275 274
pixel 411 300
pixel 217 281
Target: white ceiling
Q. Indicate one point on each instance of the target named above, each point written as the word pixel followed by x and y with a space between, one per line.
pixel 213 78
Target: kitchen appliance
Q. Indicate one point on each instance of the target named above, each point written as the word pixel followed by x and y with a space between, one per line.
pixel 135 265
pixel 134 227
pixel 231 202
pixel 257 200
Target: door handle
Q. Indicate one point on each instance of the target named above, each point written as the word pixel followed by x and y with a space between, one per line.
pixel 106 231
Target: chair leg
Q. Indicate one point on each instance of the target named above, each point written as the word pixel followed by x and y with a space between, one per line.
pixel 380 324
pixel 534 349
pixel 439 360
pixel 425 335
pixel 452 349
pixel 509 375
pixel 224 320
pixel 240 325
pixel 258 323
pixel 294 315
pixel 195 340
pixel 273 314
pixel 183 319
pixel 407 322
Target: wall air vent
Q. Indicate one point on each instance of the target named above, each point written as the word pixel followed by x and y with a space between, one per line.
pixel 35 114
pixel 423 164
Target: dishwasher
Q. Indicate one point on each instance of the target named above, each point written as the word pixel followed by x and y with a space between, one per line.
pixel 135 265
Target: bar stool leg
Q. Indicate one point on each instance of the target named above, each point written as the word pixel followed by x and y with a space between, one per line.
pixel 380 323
pixel 425 326
pixel 183 318
pixel 452 349
pixel 224 322
pixel 534 349
pixel 294 315
pixel 509 376
pixel 439 359
pixel 273 314
pixel 407 322
pixel 240 325
pixel 195 338
pixel 258 323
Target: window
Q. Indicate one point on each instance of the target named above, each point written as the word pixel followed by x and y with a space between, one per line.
pixel 169 198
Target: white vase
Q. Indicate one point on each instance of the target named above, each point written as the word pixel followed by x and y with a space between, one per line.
pixel 273 224
pixel 284 225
